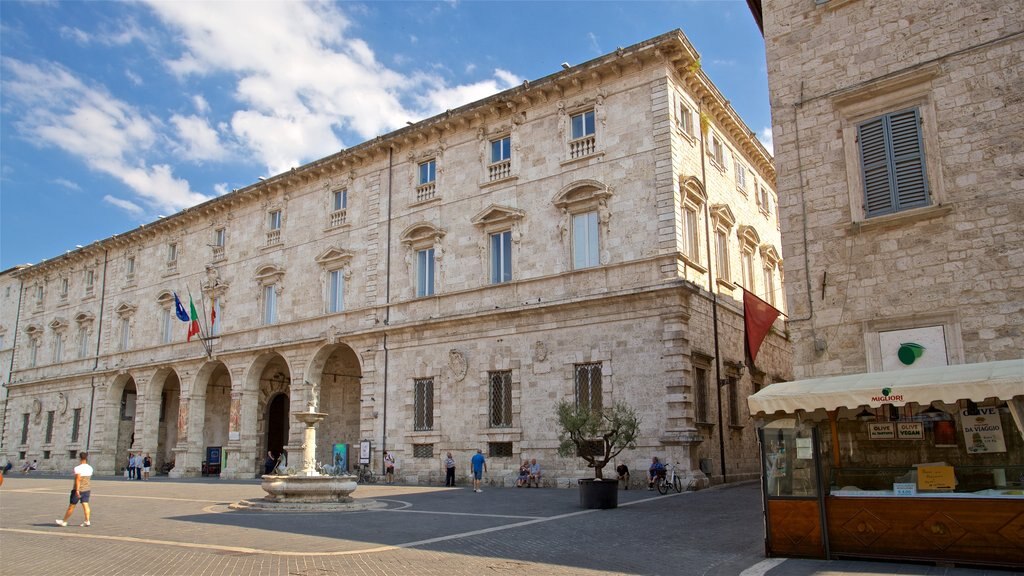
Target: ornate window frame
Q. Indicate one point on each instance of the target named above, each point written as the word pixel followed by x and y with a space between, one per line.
pixel 269 275
pixel 334 259
pixel 749 241
pixel 693 199
pixel 84 321
pixel 496 219
pixel 423 236
pixel 722 220
pixel 581 197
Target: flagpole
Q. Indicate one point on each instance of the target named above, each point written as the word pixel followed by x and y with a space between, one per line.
pixel 202 304
pixel 191 302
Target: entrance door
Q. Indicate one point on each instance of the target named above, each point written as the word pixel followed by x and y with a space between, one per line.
pixel 792 495
pixel 277 424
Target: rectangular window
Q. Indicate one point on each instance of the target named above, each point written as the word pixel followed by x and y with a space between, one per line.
pixel 39 295
pixel 63 287
pixel 340 200
pixel 501 149
pixel 90 277
pixel 583 125
pixel 700 395
pixel 764 201
pixel 24 428
pixel 49 427
pixel 275 220
pixel 741 177
pixel 501 257
pixel 336 292
pixel 218 237
pixel 722 256
pixel 584 241
pixel 125 333
pixel 892 163
pixel 83 342
pixel 166 326
pixel 588 385
pixel 172 253
pixel 734 401
pixel 33 352
pixel 73 454
pixel 769 286
pixel 269 305
pixel 499 449
pixel 423 404
pixel 685 118
pixel 691 234
pixel 76 423
pixel 425 272
pixel 747 261
pixel 58 348
pixel 501 399
pixel 129 268
pixel 716 151
pixel 422 450
pixel 428 172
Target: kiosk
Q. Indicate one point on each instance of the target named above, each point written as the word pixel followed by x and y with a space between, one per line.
pixel 919 465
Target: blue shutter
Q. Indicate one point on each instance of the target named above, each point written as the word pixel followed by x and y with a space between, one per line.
pixel 908 160
pixel 874 164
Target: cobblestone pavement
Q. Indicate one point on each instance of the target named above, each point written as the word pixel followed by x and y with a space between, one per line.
pixel 184 527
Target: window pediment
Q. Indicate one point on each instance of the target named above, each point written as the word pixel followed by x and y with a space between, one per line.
pixel 748 236
pixel 770 254
pixel 495 215
pixel 268 274
pixel 334 256
pixel 34 331
pixel 58 324
pixel 84 318
pixel 421 233
pixel 124 309
pixel 723 216
pixel 581 195
pixel 693 190
pixel 165 299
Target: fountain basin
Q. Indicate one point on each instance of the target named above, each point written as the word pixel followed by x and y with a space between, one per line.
pixel 308 489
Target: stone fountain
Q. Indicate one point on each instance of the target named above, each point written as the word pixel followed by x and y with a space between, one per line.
pixel 307 489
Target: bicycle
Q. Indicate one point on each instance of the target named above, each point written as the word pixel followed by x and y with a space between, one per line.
pixel 669 480
pixel 366 475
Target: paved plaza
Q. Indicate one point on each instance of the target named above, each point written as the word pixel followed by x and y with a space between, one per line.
pixel 184 527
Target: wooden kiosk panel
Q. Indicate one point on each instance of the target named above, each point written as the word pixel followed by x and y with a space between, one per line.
pixel 965 531
pixel 794 529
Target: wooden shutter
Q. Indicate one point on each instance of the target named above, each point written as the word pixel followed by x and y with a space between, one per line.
pixel 874 162
pixel 908 160
pixel 892 163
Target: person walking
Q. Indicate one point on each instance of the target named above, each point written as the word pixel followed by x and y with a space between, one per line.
pixel 479 464
pixel 449 471
pixel 81 490
pixel 389 467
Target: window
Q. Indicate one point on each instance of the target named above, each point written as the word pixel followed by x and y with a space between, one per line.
pixel 426 188
pixel 423 404
pixel 892 163
pixel 275 220
pixel 129 268
pixel 49 427
pixel 501 149
pixel 340 199
pixel 172 255
pixel 58 347
pixel 700 395
pixel 125 333
pixel 691 233
pixel 166 326
pixel 425 272
pixel 684 120
pixel 764 201
pixel 716 151
pixel 585 250
pixel 741 177
pixel 24 429
pixel 339 208
pixel 582 125
pixel 128 400
pixel 63 287
pixel 747 262
pixel 336 292
pixel 501 399
pixel 39 295
pixel 83 342
pixel 219 237
pixel 499 449
pixel 76 423
pixel 588 385
pixel 734 401
pixel 769 284
pixel 90 279
pixel 501 257
pixel 428 172
pixel 33 352
pixel 422 450
pixel 722 253
pixel 269 305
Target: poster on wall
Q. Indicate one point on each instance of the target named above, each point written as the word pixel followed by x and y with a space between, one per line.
pixel 340 458
pixel 910 430
pixel 983 432
pixel 364 452
pixel 882 430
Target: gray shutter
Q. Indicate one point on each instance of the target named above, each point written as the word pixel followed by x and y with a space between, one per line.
pixel 908 160
pixel 874 162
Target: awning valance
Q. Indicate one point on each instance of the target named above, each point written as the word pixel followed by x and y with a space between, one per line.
pixel 1002 379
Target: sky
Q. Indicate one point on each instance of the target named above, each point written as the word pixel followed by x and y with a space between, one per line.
pixel 115 113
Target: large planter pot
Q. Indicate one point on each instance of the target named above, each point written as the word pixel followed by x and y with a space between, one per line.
pixel 600 494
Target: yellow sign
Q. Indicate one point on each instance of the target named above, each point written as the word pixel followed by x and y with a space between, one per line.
pixel 935 478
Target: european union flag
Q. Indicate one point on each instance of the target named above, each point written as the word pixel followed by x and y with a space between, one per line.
pixel 179 310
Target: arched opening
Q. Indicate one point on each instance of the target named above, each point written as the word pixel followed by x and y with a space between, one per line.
pixel 125 424
pixel 167 422
pixel 336 371
pixel 212 400
pixel 277 424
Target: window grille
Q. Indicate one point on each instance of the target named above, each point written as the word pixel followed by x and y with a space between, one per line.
pixel 49 427
pixel 501 399
pixel 76 422
pixel 588 385
pixel 734 402
pixel 24 429
pixel 422 450
pixel 499 449
pixel 700 395
pixel 423 404
pixel 73 454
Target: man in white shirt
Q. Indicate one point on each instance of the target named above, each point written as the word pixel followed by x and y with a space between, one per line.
pixel 80 491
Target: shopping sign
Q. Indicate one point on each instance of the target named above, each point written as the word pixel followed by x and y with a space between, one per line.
pixel 983 431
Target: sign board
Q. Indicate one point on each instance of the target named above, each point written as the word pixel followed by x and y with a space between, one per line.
pixel 904 488
pixel 936 478
pixel 882 430
pixel 804 449
pixel 910 430
pixel 364 452
pixel 983 432
pixel 340 454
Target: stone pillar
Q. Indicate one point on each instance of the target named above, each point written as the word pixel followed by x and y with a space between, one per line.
pixel 234 456
pixel 185 463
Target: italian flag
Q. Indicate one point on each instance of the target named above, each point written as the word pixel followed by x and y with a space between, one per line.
pixel 193 327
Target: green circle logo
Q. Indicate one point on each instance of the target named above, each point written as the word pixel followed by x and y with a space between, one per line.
pixel 886 391
pixel 909 352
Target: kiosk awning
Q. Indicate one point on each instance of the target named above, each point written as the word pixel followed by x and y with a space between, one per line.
pixel 1003 379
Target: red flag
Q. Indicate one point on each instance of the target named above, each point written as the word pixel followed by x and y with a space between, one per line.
pixel 213 312
pixel 193 328
pixel 758 317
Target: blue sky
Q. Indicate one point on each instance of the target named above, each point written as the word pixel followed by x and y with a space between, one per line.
pixel 112 113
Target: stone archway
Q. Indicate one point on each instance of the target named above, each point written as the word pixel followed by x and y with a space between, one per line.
pixel 123 397
pixel 160 425
pixel 210 404
pixel 270 377
pixel 335 375
pixel 277 424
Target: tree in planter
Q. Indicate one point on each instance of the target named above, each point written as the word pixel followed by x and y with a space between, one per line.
pixel 597 436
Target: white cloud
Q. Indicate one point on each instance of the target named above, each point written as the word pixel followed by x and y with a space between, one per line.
pixel 594 46
pixel 57 109
pixel 202 106
pixel 220 189
pixel 444 98
pixel 470 68
pixel 75 34
pixel 766 138
pixel 67 184
pixel 126 32
pixel 125 205
pixel 198 140
pixel 133 77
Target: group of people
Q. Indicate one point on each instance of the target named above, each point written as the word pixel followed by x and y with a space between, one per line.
pixel 139 466
pixel 478 465
pixel 529 473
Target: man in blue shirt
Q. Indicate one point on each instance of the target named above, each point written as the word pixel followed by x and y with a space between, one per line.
pixel 479 464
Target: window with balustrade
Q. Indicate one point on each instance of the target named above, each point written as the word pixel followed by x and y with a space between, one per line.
pixel 274 221
pixel 339 208
pixel 426 181
pixel 583 135
pixel 500 166
pixel 219 241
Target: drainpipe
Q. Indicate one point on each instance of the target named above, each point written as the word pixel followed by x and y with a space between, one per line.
pixel 10 367
pixel 96 359
pixel 714 293
pixel 387 310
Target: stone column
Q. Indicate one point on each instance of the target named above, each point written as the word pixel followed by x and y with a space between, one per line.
pixel 233 453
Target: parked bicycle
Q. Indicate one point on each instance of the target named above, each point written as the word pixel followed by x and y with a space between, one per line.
pixel 366 475
pixel 669 481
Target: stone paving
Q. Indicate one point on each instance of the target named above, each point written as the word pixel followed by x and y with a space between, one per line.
pixel 184 527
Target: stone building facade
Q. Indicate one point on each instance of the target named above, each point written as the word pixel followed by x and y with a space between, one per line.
pixel 436 289
pixel 898 132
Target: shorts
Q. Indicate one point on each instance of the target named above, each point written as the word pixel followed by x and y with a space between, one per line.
pixel 80 497
pixel 146 469
pixel 478 474
pixel 391 470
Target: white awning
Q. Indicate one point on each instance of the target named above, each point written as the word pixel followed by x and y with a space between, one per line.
pixel 1003 379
